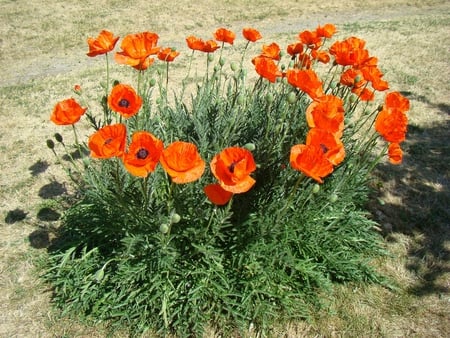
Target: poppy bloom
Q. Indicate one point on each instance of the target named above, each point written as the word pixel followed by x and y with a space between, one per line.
pixel 326 31
pixel 143 154
pixel 104 43
pixel 349 52
pixel 124 100
pixel 167 54
pixel 326 113
pixel 251 34
pixel 210 46
pixel 232 167
pixel 310 38
pixel 374 75
pixel 224 35
pixel 195 43
pixel 217 195
pixel 320 56
pixel 271 51
pixel 332 147
pixel 307 81
pixel 391 124
pixel 294 48
pixel 136 49
pixel 266 68
pixel 108 141
pixel 395 153
pixel 311 161
pixel 395 100
pixel 182 162
pixel 67 112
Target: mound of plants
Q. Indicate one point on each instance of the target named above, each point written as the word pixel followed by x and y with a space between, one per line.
pixel 230 199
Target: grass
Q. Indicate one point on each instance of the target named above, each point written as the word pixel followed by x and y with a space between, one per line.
pixel 412 45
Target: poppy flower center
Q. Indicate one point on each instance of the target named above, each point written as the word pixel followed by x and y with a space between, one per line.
pixel 124 103
pixel 324 148
pixel 231 167
pixel 142 154
pixel 108 141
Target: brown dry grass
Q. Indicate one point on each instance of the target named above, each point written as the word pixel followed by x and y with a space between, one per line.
pixel 42 48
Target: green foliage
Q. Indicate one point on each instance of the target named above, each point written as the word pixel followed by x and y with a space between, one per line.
pixel 155 256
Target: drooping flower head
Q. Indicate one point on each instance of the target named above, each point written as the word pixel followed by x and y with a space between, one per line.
pixel 67 112
pixel 224 35
pixel 232 167
pixel 143 154
pixel 109 141
pixel 251 34
pixel 182 162
pixel 136 49
pixel 216 194
pixel 124 100
pixel 104 43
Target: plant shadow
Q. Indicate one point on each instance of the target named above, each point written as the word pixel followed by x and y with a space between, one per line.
pixel 415 201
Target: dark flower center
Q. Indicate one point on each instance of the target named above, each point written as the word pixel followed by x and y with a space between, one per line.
pixel 324 148
pixel 108 141
pixel 124 103
pixel 231 167
pixel 142 154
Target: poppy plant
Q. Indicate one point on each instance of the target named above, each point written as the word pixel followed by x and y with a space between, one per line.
pixel 251 34
pixel 109 141
pixel 104 43
pixel 307 81
pixel 266 68
pixel 182 162
pixel 136 49
pixel 232 167
pixel 311 161
pixel 143 154
pixel 67 112
pixel 224 35
pixel 216 194
pixel 124 100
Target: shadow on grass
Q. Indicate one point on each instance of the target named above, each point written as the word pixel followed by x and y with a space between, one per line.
pixel 418 201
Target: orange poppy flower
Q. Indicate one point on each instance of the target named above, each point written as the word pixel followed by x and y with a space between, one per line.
pixel 210 46
pixel 294 48
pixel 391 124
pixel 310 38
pixel 332 147
pixel 395 153
pixel 167 54
pixel 271 51
pixel 395 100
pixel 143 154
pixel 224 35
pixel 320 56
pixel 327 112
pixel 307 81
pixel 108 141
pixel 349 52
pixel 326 31
pixel 311 161
pixel 182 162
pixel 124 100
pixel 217 195
pixel 195 43
pixel 136 49
pixel 232 167
pixel 251 34
pixel 104 43
pixel 373 74
pixel 266 68
pixel 67 112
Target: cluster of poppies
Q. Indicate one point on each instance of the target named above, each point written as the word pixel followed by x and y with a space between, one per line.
pixel 316 158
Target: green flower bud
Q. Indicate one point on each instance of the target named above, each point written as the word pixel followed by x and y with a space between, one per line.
pixel 316 188
pixel 58 137
pixel 240 99
pixel 333 84
pixel 152 82
pixel 50 144
pixel 164 228
pixel 292 98
pixel 216 68
pixel 210 57
pixel 175 218
pixel 222 61
pixel 333 198
pixel 234 66
pixel 250 146
pixel 358 78
pixel 86 162
pixel 269 98
pixel 99 275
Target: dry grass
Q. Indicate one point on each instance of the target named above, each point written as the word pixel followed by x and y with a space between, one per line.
pixel 42 48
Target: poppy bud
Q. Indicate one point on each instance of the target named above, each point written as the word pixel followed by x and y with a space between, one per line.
pixel 164 228
pixel 99 275
pixel 86 162
pixel 358 78
pixel 58 137
pixel 50 144
pixel 316 188
pixel 333 84
pixel 152 82
pixel 333 198
pixel 240 99
pixel 210 57
pixel 352 98
pixel 250 146
pixel 234 66
pixel 291 98
pixel 175 218
pixel 222 61
pixel 216 68
pixel 115 83
pixel 269 98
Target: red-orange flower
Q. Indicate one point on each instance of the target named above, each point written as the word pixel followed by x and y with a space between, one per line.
pixel 195 43
pixel 395 153
pixel 266 68
pixel 136 49
pixel 108 141
pixel 311 161
pixel 349 52
pixel 67 112
pixel 395 100
pixel 391 122
pixel 143 154
pixel 294 48
pixel 311 39
pixel 104 43
pixel 210 46
pixel 224 35
pixel 326 31
pixel 232 167
pixel 182 162
pixel 167 54
pixel 251 34
pixel 217 195
pixel 306 80
pixel 271 51
pixel 327 112
pixel 332 147
pixel 320 56
pixel 124 100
